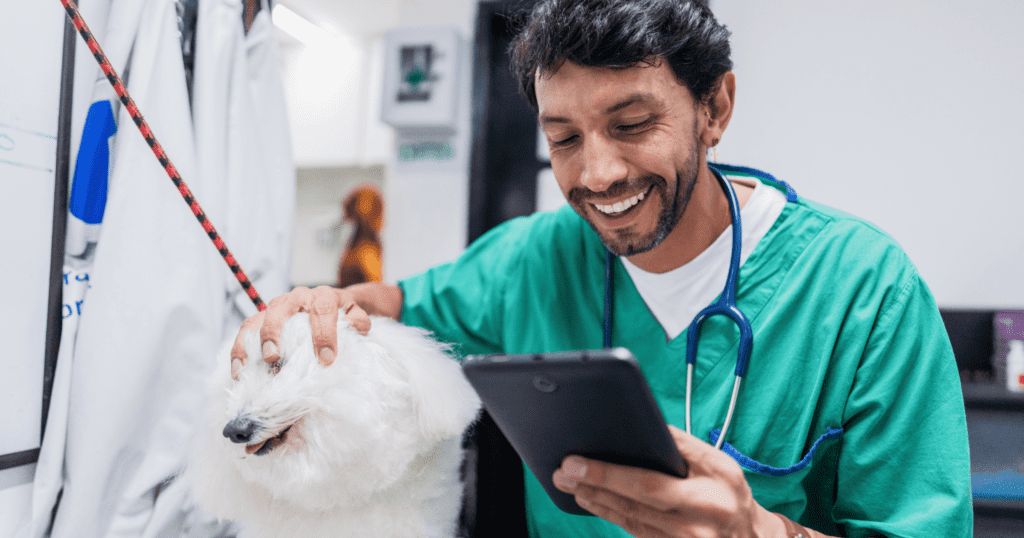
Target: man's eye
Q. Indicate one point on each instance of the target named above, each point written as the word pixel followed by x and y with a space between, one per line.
pixel 633 127
pixel 564 142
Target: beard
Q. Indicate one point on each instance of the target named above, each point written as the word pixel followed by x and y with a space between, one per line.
pixel 629 241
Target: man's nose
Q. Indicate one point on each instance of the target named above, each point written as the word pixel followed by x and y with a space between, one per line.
pixel 603 164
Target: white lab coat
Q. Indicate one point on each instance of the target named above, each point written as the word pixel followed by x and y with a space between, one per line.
pixel 245 164
pixel 275 153
pixel 151 323
pixel 244 149
pixel 161 299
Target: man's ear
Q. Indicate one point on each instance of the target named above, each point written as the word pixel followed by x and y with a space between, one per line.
pixel 717 112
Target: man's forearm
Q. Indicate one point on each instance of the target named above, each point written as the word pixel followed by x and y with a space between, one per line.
pixel 378 299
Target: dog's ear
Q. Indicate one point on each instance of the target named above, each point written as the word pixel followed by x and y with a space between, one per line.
pixel 444 402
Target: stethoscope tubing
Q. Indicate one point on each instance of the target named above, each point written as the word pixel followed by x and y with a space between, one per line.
pixel 724 306
pixel 726 303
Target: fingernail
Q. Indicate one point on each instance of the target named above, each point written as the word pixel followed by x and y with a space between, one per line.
pixel 326 355
pixel 236 367
pixel 574 467
pixel 269 349
pixel 583 502
pixel 562 480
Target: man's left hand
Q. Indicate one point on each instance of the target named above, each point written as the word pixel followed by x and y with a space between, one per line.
pixel 714 500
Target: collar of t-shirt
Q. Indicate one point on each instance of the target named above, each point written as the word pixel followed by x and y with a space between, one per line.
pixel 676 297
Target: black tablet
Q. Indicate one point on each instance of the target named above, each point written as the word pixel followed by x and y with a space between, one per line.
pixel 592 403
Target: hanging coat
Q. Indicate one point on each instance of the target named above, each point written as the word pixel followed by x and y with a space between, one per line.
pixel 126 440
pixel 152 319
pixel 84 220
pixel 244 149
pixel 275 148
pixel 245 165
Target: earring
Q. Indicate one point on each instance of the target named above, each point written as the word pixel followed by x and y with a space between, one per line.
pixel 714 149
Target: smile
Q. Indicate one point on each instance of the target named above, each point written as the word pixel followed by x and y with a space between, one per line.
pixel 266 446
pixel 621 206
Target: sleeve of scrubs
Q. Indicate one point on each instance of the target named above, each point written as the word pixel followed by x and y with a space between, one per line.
pixel 904 467
pixel 462 302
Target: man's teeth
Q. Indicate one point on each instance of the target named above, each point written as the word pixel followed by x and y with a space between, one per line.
pixel 619 207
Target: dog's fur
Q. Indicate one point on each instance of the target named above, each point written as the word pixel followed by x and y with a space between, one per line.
pixel 374 445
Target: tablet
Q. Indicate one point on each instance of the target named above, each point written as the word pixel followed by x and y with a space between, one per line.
pixel 593 403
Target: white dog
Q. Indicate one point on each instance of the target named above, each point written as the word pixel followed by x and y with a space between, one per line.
pixel 368 446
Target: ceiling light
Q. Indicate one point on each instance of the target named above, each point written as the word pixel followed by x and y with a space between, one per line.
pixel 296 26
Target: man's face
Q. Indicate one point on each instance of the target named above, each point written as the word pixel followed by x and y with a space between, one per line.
pixel 624 148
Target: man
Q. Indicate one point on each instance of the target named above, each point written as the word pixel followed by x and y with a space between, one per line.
pixel 850 420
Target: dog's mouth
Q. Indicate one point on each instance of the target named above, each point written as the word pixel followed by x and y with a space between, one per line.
pixel 268 445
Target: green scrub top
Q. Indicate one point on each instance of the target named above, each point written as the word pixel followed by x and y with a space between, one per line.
pixel 850 419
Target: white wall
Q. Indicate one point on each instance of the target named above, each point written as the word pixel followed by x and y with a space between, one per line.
pixel 30 71
pixel 334 100
pixel 320 235
pixel 906 113
pixel 15 497
pixel 428 201
pixel 324 92
pixel 332 92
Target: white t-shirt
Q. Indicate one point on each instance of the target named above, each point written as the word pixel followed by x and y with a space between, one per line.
pixel 676 297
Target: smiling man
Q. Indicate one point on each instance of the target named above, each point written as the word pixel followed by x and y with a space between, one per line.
pixel 850 421
pixel 626 150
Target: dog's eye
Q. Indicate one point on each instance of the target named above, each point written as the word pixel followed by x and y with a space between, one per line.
pixel 275 367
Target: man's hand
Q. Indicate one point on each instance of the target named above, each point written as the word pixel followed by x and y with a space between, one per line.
pixel 322 303
pixel 358 302
pixel 714 500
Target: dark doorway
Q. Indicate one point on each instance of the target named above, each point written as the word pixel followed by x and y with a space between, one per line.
pixel 504 165
pixel 502 186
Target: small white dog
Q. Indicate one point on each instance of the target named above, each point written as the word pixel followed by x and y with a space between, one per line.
pixel 368 446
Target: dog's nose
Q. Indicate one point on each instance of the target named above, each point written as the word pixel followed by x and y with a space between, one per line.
pixel 241 430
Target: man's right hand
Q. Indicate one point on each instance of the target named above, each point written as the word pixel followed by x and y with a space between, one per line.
pixel 322 304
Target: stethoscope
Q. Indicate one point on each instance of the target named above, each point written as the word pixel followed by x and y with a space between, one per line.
pixel 724 306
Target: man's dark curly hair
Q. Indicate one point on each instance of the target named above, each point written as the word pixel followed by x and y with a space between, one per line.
pixel 621 34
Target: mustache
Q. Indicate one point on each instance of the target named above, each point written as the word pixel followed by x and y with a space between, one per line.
pixel 581 195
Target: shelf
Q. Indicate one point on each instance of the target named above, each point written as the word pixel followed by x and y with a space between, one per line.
pixel 990 396
pixel 999 508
